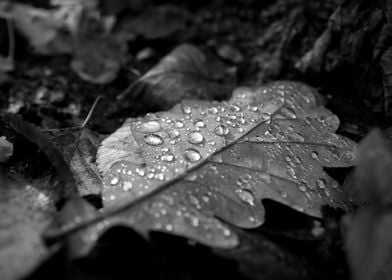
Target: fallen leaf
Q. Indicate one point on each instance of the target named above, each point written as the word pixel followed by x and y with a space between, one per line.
pixel 182 74
pixel 178 171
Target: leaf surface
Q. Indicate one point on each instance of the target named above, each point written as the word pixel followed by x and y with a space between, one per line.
pixel 185 170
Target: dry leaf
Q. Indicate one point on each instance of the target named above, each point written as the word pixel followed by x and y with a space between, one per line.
pixel 182 74
pixel 178 171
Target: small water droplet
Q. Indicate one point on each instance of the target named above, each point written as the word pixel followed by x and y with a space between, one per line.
pixel 159 176
pixel 302 186
pixel 199 123
pixel 169 227
pixel 127 186
pixel 321 183
pixel 191 177
pixel 314 155
pixel 153 139
pixel 174 133
pixel 296 137
pixel 192 155
pixel 253 108
pixel 187 109
pixel 246 196
pixel 221 130
pixel 235 108
pixel 334 184
pixel 205 198
pixel 114 180
pixel 213 110
pixel 179 124
pixel 167 158
pixel 288 112
pixel 149 127
pixel 195 137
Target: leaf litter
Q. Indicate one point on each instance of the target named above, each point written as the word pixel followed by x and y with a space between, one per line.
pixel 186 170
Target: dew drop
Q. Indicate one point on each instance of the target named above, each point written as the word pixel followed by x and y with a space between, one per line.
pixel 297 137
pixel 153 139
pixel 179 124
pixel 288 112
pixel 246 196
pixel 221 130
pixel 314 155
pixel 235 108
pixel 149 127
pixel 321 183
pixel 213 110
pixel 187 109
pixel 302 186
pixel 199 123
pixel 114 180
pixel 195 137
pixel 167 158
pixel 192 155
pixel 174 133
pixel 127 186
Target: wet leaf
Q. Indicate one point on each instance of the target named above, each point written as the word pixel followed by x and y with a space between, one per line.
pixel 26 210
pixel 184 73
pixel 178 171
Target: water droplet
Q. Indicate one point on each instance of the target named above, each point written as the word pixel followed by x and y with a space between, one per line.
pixel 192 155
pixel 159 176
pixel 167 158
pixel 127 186
pixel 297 137
pixel 149 127
pixel 213 110
pixel 288 112
pixel 235 108
pixel 179 124
pixel 253 109
pixel 195 137
pixel 153 139
pixel 314 155
pixel 334 184
pixel 246 196
pixel 199 123
pixel 169 227
pixel 191 177
pixel 302 186
pixel 321 183
pixel 174 133
pixel 205 198
pixel 187 109
pixel 221 130
pixel 114 180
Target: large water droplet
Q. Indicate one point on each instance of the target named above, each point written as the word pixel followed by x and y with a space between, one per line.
pixel 192 155
pixel 296 137
pixel 149 127
pixel 153 139
pixel 246 196
pixel 195 137
pixel 221 130
pixel 302 186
